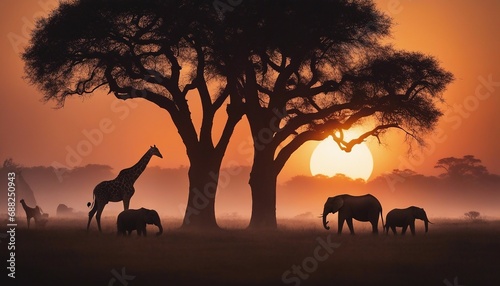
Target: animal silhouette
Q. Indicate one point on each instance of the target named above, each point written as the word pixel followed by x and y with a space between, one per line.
pixel 130 220
pixel 404 218
pixel 361 208
pixel 119 189
pixel 35 213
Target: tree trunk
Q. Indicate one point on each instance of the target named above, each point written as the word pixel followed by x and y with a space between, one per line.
pixel 263 179
pixel 203 180
pixel 205 162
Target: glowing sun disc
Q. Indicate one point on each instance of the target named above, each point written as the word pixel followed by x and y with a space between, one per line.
pixel 327 159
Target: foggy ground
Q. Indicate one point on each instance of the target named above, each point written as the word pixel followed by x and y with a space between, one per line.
pixel 298 253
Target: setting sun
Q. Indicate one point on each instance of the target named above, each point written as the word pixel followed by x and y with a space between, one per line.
pixel 327 159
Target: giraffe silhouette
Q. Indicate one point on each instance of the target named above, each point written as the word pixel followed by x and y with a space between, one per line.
pixel 119 189
pixel 35 213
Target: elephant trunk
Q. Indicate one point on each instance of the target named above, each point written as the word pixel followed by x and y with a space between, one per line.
pixel 426 222
pixel 325 222
pixel 160 228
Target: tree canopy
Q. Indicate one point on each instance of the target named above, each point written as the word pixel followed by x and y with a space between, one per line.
pixel 462 168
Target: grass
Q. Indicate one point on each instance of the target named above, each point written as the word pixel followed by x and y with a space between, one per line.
pixel 64 254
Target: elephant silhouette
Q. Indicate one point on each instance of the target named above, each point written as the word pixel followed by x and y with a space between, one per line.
pixel 361 208
pixel 130 220
pixel 404 218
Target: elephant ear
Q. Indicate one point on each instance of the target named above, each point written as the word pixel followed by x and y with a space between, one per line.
pixel 336 203
pixel 151 216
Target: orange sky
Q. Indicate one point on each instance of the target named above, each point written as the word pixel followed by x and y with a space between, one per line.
pixel 460 33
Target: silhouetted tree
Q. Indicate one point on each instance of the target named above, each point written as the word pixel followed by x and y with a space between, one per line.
pixel 9 164
pixel 461 168
pixel 472 215
pixel 156 50
pixel 310 69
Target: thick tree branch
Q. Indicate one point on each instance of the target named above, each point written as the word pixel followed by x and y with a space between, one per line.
pixel 282 79
pixel 267 61
pixel 235 111
pixel 310 135
pixel 181 119
pixel 347 146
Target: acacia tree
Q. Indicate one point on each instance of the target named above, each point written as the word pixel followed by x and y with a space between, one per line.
pixel 311 69
pixel 155 50
pixel 461 168
pixel 472 215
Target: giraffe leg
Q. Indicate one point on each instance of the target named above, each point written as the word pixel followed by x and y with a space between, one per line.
pixel 126 202
pixel 28 222
pixel 127 195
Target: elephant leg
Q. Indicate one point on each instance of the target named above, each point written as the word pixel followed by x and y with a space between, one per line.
pixel 404 229
pixel 341 225
pixel 349 224
pixel 28 222
pixel 412 228
pixel 393 228
pixel 374 227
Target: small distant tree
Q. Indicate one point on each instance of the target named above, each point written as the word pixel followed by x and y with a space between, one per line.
pixel 472 215
pixel 10 164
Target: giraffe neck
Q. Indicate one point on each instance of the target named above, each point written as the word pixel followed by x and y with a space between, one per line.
pixel 132 174
pixel 25 206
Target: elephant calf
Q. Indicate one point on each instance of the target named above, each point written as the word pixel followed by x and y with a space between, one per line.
pixel 129 220
pixel 404 218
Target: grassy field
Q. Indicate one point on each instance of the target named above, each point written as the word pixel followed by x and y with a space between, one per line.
pixel 299 253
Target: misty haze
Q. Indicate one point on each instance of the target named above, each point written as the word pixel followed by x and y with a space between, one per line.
pixel 443 196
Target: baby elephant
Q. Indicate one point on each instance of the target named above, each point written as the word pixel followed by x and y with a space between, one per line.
pixel 129 220
pixel 404 218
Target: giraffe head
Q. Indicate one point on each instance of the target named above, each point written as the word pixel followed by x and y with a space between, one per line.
pixel 154 151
